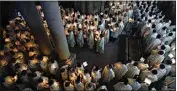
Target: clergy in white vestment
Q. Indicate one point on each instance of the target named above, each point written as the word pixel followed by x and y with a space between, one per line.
pixel 80 38
pixel 155 59
pixel 78 84
pixel 151 75
pixel 102 88
pixel 87 77
pixel 108 73
pixel 132 70
pixel 53 66
pixel 154 42
pixel 24 76
pixel 91 39
pixel 122 86
pixel 134 83
pixel 36 75
pixel 120 69
pixel 54 85
pixel 168 39
pixel 100 44
pixel 168 67
pixel 161 72
pixel 90 86
pixel 107 34
pixel 64 72
pixel 42 83
pixel 96 74
pixel 71 39
pixel 68 86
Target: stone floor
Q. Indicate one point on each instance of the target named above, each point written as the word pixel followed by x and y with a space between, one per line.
pixel 93 58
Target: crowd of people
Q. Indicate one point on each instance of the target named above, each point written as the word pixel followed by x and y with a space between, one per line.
pixel 25 68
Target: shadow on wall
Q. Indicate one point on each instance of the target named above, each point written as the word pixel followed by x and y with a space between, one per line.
pixel 168 9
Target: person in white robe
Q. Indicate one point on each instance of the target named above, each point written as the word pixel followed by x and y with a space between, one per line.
pixel 151 75
pixel 154 42
pixel 96 74
pixel 53 66
pixel 64 72
pixel 9 81
pixel 120 69
pixel 42 83
pixel 78 84
pixel 80 38
pixel 168 39
pixel 159 26
pixel 90 86
pixel 161 71
pixel 155 59
pixel 87 77
pixel 36 75
pixel 122 86
pixel 134 83
pixel 102 88
pixel 71 39
pixel 24 76
pixel 132 70
pixel 43 62
pixel 54 85
pixel 100 44
pixel 108 73
pixel 91 39
pixel 68 86
pixel 107 34
pixel 168 67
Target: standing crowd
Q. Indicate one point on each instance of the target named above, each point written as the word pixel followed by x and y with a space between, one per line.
pixel 23 67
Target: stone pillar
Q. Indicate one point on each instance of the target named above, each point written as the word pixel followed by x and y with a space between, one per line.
pixel 33 19
pixel 1 38
pixel 53 17
pixel 83 7
pixel 89 6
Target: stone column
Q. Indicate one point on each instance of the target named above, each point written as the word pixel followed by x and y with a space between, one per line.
pixel 83 6
pixel 33 19
pixel 53 17
pixel 1 38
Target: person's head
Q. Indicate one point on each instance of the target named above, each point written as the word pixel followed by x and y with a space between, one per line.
pixel 78 64
pixel 160 52
pixel 51 82
pixel 135 64
pixel 174 29
pixel 34 74
pixel 40 57
pixel 135 77
pixel 67 84
pixel 96 68
pixel 78 80
pixel 169 62
pixel 138 80
pixel 153 25
pixel 31 49
pixel 40 80
pixel 78 16
pixel 89 85
pixel 164 28
pixel 149 21
pixel 86 71
pixel 162 66
pixel 110 66
pixel 154 72
pixel 17 66
pixel 158 36
pixel 52 60
pixel 163 47
pixel 170 34
pixel 24 72
pixel 154 31
pixel 62 70
pixel 125 81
